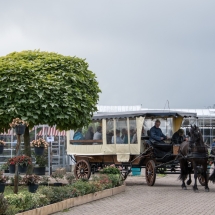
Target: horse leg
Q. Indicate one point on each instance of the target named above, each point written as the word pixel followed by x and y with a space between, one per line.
pixel 189 181
pixel 183 175
pixel 205 176
pixel 195 176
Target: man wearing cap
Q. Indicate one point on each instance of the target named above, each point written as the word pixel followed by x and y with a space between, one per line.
pixel 156 135
pixel 179 137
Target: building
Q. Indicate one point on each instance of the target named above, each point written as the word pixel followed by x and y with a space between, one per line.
pixel 206 122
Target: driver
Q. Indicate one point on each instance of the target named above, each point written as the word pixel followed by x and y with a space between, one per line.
pixel 156 135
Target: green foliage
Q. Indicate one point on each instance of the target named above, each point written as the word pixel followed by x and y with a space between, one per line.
pixel 46 88
pixel 26 201
pixel 84 187
pixel 46 195
pixel 110 170
pixel 47 191
pixel 115 179
pixel 41 160
pixel 11 210
pixel 3 204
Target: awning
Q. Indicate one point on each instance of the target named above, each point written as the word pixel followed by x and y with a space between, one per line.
pixel 51 131
pixel 9 132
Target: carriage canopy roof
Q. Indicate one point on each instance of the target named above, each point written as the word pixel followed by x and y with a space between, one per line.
pixel 143 113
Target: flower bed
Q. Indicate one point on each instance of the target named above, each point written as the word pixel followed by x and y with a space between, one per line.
pixel 54 199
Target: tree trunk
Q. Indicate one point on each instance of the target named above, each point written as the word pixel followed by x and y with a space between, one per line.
pixel 16 177
pixel 27 148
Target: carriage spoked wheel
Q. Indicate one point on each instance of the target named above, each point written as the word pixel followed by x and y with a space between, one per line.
pixel 82 170
pixel 201 179
pixel 150 173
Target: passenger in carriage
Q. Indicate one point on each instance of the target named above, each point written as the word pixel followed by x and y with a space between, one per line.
pixel 134 139
pixel 89 135
pixel 156 135
pixel 98 134
pixel 118 138
pixel 109 136
pixel 179 137
pixel 132 133
pixel 124 135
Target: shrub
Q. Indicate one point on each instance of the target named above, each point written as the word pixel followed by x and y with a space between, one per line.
pixel 11 210
pixel 47 191
pixel 84 187
pixel 26 201
pixel 70 178
pixel 3 204
pixel 110 170
pixel 115 179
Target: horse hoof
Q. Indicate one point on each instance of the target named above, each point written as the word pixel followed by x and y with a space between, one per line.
pixel 184 188
pixel 189 182
pixel 195 190
pixel 207 189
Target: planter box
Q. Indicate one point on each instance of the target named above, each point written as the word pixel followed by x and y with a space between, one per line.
pixel 102 194
pixel 80 200
pixel 117 190
pixel 69 203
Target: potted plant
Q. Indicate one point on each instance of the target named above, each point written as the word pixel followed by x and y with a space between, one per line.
pixel 23 161
pixel 19 125
pixel 3 180
pixel 5 167
pixel 39 146
pixel 32 182
pixel 41 163
pixel 12 162
pixel 2 144
pixel 44 180
pixel 57 175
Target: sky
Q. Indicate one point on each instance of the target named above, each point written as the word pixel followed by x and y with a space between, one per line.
pixel 142 51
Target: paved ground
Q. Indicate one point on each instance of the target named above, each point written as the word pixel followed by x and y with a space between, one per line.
pixel 165 197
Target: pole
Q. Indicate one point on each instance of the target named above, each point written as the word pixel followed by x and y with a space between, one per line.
pixel 16 177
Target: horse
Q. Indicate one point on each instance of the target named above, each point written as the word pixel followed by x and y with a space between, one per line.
pixel 195 153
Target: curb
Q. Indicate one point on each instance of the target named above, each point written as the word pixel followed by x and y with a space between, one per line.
pixel 69 203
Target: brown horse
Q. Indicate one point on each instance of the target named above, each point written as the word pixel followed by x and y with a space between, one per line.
pixel 195 153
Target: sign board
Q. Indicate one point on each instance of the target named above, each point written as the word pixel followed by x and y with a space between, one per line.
pixel 50 139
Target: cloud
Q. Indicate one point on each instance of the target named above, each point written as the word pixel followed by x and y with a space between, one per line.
pixel 143 52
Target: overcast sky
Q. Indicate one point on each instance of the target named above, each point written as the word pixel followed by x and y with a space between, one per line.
pixel 142 51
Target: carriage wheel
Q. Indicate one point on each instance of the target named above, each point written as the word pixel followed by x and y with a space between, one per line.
pixel 82 170
pixel 201 179
pixel 150 173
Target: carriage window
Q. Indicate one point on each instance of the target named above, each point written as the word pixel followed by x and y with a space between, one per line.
pixel 121 132
pixel 88 135
pixel 109 131
pixel 133 131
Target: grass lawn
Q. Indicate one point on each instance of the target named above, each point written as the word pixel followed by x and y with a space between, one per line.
pixel 9 189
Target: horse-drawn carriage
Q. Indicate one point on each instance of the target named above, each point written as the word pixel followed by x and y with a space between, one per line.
pixel 122 139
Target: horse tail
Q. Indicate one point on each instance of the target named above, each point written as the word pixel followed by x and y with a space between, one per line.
pixel 184 170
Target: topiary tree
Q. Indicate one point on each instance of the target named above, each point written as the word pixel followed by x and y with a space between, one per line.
pixel 46 88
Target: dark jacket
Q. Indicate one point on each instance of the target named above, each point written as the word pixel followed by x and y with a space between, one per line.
pixel 177 139
pixel 156 134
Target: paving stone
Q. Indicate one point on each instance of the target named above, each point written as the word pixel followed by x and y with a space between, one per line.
pixel 166 197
